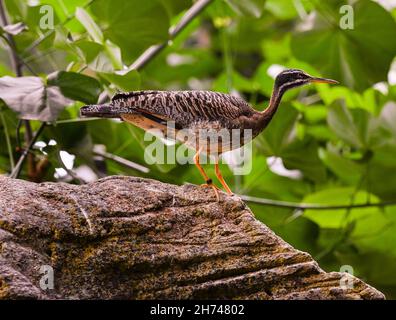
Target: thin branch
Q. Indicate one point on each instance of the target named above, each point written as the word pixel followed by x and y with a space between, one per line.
pixel 18 166
pixel 69 171
pixel 77 120
pixel 127 163
pixel 312 206
pixel 8 141
pixel 151 52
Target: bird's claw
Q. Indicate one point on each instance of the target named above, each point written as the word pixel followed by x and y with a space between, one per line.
pixel 215 188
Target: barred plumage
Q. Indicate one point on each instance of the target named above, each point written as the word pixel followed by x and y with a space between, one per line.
pixel 183 107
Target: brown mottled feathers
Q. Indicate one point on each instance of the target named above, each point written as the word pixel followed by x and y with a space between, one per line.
pixel 186 108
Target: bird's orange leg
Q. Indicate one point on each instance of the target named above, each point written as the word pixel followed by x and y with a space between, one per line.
pixel 221 179
pixel 209 181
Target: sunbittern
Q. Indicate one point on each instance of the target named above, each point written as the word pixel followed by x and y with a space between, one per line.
pixel 198 111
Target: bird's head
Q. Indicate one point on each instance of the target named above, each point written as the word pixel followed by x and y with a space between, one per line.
pixel 292 78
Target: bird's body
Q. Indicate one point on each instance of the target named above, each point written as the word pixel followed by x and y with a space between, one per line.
pixel 193 111
pixel 199 112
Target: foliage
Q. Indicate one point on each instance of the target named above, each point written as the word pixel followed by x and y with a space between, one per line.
pixel 337 143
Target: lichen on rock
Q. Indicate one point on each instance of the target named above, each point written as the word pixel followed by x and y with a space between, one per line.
pixel 133 238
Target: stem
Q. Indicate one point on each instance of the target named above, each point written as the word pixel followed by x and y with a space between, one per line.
pixel 8 141
pixel 313 206
pixel 30 158
pixel 127 163
pixel 26 152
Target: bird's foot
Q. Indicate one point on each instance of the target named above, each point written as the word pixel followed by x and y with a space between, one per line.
pixel 209 183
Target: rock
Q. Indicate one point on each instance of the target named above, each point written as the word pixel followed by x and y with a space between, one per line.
pixel 133 238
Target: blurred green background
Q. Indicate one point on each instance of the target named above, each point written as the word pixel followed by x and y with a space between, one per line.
pixel 326 145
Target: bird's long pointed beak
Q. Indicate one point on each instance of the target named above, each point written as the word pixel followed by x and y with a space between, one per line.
pixel 323 80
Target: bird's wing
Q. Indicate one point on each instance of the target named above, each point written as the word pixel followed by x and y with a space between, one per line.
pixel 183 107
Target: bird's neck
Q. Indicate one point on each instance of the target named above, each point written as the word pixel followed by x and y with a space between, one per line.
pixel 274 103
pixel 267 114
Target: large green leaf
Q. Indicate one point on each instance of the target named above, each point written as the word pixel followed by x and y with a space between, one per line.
pixel 175 6
pixel 133 25
pixel 375 258
pixel 357 57
pixel 345 169
pixel 76 86
pixel 357 127
pixel 124 81
pixel 339 218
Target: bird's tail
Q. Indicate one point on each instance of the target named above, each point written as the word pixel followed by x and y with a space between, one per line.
pixel 100 110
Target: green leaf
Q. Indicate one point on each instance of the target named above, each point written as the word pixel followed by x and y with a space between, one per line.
pixel 382 241
pixel 31 99
pixel 300 233
pixel 95 56
pixel 280 132
pixel 280 139
pixel 375 258
pixel 357 57
pixel 388 117
pixel 252 8
pixel 175 6
pixel 89 49
pixel 225 83
pixel 356 127
pixel 367 100
pixel 281 9
pixel 124 81
pixel 114 54
pixel 381 175
pixel 346 170
pixel 76 86
pixel 133 25
pixel 340 196
pixel 89 25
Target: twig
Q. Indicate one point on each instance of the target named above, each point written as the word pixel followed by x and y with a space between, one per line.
pixel 69 171
pixel 18 166
pixel 122 161
pixel 312 206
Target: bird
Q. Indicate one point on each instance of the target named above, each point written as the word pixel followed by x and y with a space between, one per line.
pixel 197 111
